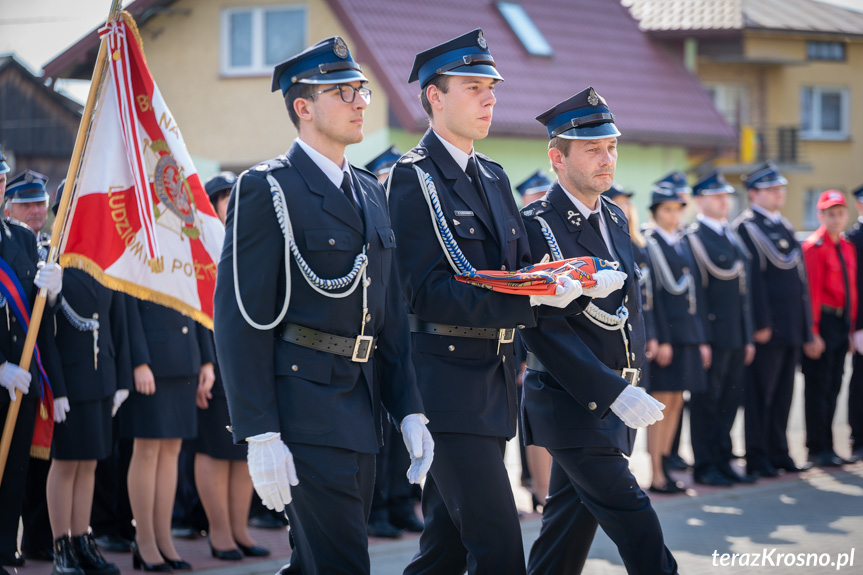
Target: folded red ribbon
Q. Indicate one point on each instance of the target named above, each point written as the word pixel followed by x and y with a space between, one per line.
pixel 538 279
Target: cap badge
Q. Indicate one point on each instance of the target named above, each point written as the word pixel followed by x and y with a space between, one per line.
pixel 783 243
pixel 480 40
pixel 29 178
pixel 340 48
pixel 592 98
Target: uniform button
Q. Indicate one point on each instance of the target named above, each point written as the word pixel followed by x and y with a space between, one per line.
pixel 95 316
pixel 332 242
pixel 632 356
pixel 629 325
pixel 626 299
pixel 503 359
pixel 14 338
pixel 368 317
pixel 591 406
pixel 686 270
pixel 185 329
pixel 520 326
pixel 513 231
pixel 503 268
pixel 451 348
pixel 471 231
pixel 295 367
pixel 13 319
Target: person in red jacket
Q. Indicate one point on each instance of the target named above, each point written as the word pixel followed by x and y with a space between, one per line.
pixel 831 265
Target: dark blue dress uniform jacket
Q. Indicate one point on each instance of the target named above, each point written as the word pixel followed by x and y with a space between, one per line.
pixel 780 299
pixel 569 406
pixel 644 272
pixel 466 385
pixel 312 397
pixel 855 236
pixel 729 313
pixel 113 369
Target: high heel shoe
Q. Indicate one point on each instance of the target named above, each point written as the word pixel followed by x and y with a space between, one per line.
pixel 138 562
pixel 227 555
pixel 176 564
pixel 253 551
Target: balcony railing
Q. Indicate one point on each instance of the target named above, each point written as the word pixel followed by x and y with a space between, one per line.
pixel 781 144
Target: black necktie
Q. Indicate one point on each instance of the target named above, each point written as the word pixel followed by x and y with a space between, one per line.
pixel 593 220
pixel 473 172
pixel 845 281
pixel 349 193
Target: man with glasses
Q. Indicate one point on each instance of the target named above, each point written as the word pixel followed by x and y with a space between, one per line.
pixel 782 321
pixel 310 328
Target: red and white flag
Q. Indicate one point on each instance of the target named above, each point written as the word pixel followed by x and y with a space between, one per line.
pixel 140 221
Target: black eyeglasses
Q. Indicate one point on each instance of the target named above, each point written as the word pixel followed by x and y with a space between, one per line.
pixel 348 93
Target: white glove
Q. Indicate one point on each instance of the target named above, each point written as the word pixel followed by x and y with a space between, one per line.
pixel 420 445
pixel 636 408
pixel 271 466
pixel 61 408
pixel 120 396
pixel 50 277
pixel 607 282
pixel 13 377
pixel 567 290
pixel 858 341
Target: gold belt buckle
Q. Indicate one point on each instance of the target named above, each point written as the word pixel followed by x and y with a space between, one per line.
pixel 630 374
pixel 505 335
pixel 362 348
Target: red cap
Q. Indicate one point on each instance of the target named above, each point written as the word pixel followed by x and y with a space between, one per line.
pixel 829 199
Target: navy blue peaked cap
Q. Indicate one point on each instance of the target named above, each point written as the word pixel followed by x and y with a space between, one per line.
pixel 584 116
pixel 535 183
pixel 615 191
pixel 858 193
pixel 466 55
pixel 28 186
pixel 764 176
pixel 384 162
pixel 219 182
pixel 711 184
pixel 327 62
pixel 4 167
pixel 674 181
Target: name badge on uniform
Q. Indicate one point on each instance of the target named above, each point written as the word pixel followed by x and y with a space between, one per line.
pixel 463 213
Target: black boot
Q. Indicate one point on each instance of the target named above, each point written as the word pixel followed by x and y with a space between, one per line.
pixel 90 558
pixel 64 558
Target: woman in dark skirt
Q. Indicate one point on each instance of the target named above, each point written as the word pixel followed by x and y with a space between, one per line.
pixel 682 354
pixel 91 337
pixel 173 358
pixel 221 471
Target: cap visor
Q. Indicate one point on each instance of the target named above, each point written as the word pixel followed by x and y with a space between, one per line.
pixel 338 77
pixel 598 132
pixel 479 70
pixel 780 181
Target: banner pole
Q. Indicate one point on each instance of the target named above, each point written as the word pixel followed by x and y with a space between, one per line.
pixel 56 236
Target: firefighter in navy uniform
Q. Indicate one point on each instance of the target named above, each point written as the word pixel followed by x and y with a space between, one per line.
pixel 311 332
pixel 782 321
pixel 581 399
pixel 723 265
pixel 462 335
pixel 18 250
pixel 855 385
pixel 831 268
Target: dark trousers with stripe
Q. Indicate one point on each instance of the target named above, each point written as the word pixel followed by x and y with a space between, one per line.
pixel 767 403
pixel 712 412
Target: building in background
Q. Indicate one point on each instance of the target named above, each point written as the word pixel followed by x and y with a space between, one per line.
pixel 213 64
pixel 787 74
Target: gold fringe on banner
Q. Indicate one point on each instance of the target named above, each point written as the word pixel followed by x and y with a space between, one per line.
pixel 40 452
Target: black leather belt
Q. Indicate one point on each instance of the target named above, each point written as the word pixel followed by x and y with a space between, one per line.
pixel 631 375
pixel 359 349
pixel 829 309
pixel 499 335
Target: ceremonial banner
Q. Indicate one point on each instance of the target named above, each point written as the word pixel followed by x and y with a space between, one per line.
pixel 140 221
pixel 539 279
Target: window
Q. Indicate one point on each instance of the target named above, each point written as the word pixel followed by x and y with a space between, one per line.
pixel 525 29
pixel 732 101
pixel 824 113
pixel 256 39
pixel 825 50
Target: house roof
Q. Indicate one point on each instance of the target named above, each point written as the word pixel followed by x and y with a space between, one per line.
pixel 655 99
pixel 716 15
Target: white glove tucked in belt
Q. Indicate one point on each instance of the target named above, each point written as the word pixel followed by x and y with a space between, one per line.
pixel 607 282
pixel 420 445
pixel 567 290
pixel 636 408
pixel 271 466
pixel 13 377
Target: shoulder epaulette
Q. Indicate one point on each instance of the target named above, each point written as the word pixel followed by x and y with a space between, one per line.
pixel 536 208
pixel 363 171
pixel 487 159
pixel 414 155
pixel 269 165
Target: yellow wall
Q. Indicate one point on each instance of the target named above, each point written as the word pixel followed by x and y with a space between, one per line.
pixel 235 122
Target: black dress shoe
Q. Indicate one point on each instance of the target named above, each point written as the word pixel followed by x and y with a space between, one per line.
pixel 712 477
pixel 64 558
pixel 176 564
pixel 383 528
pixel 763 470
pixel 787 464
pixel 669 488
pixel 38 554
pixel 728 472
pixel 827 459
pixel 89 558
pixel 407 521
pixel 254 550
pixel 113 543
pixel 268 520
pixel 138 562
pixel 226 555
pixel 675 462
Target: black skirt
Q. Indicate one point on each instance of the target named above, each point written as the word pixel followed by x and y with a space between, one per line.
pixel 214 439
pixel 684 373
pixel 86 433
pixel 170 413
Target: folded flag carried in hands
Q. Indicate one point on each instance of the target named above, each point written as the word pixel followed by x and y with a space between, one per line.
pixel 541 278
